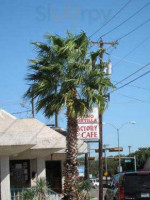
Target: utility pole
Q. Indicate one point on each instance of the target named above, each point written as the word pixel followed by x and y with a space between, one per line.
pixel 56 119
pixel 32 103
pixel 101 53
pixel 101 136
pixel 56 113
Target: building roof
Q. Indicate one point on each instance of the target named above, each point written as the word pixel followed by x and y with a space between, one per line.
pixel 21 135
pixel 82 146
pixel 32 137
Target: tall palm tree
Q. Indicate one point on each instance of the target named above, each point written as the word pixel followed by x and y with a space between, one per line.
pixel 62 65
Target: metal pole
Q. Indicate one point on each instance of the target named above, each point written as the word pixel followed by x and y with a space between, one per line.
pixel 135 168
pixel 105 161
pixel 86 167
pixel 105 151
pixel 129 149
pixel 119 150
pixel 89 150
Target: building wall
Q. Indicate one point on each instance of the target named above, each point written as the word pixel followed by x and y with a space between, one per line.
pixel 5 178
pixel 33 172
pixel 38 170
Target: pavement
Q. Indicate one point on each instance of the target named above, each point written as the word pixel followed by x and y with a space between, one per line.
pixel 95 193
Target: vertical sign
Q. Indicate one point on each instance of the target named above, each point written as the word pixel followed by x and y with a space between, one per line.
pixel 88 126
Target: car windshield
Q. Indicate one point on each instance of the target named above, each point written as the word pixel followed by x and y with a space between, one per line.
pixel 139 180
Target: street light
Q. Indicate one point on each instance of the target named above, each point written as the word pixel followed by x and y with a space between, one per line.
pixel 118 130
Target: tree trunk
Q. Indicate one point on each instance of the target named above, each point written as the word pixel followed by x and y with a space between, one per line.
pixel 71 171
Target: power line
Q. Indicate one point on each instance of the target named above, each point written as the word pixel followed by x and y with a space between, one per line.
pixel 126 20
pixel 133 73
pixel 139 87
pixel 143 101
pixel 131 51
pixel 110 19
pixel 123 102
pixel 126 102
pixel 21 112
pixel 142 24
pixel 130 81
pixel 126 60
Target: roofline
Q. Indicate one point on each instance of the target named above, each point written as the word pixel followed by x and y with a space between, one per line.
pixel 135 172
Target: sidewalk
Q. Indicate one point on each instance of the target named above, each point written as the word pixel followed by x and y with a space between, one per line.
pixel 95 193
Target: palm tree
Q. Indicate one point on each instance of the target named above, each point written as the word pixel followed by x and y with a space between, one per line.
pixel 62 65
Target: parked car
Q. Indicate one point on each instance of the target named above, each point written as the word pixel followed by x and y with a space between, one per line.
pixel 95 182
pixel 129 185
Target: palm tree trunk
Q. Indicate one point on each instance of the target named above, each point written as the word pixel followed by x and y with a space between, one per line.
pixel 71 171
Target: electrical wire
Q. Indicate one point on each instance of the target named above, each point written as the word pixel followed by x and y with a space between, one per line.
pixel 140 100
pixel 137 46
pixel 130 82
pixel 126 102
pixel 110 19
pixel 142 24
pixel 126 20
pixel 139 87
pixel 126 60
pixel 21 112
pixel 133 73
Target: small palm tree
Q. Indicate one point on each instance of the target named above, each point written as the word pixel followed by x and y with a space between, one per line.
pixel 36 193
pixel 83 188
pixel 62 76
pixel 41 189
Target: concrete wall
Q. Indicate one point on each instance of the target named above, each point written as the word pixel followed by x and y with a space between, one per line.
pixel 41 171
pixel 33 172
pixel 5 178
pixel 37 170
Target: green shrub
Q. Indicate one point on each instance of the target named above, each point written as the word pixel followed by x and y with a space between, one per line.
pixel 29 194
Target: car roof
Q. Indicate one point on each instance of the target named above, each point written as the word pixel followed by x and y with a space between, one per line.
pixel 134 172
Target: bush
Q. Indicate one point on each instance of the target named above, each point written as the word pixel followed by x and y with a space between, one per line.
pixel 83 188
pixel 36 193
pixel 29 194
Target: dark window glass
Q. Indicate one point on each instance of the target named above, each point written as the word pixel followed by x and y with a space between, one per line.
pixel 138 181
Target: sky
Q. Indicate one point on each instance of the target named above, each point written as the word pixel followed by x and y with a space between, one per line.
pixel 29 20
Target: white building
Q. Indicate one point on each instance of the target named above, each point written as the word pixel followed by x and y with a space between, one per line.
pixel 29 150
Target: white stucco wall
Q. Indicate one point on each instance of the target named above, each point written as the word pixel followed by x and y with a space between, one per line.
pixel 5 178
pixel 33 168
pixel 41 171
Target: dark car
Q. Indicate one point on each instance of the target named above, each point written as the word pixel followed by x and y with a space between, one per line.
pixel 129 185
